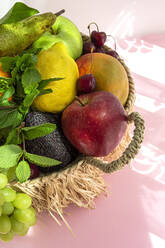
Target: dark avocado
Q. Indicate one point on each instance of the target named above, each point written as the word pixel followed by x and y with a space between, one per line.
pixel 54 145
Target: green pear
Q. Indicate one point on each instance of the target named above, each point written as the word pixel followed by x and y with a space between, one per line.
pixel 63 30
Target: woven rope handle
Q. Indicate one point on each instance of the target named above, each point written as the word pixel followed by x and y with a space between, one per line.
pixel 129 153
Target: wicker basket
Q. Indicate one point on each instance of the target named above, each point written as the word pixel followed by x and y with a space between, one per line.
pixel 82 180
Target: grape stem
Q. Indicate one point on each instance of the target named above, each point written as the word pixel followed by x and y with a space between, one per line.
pixel 113 40
pixel 89 26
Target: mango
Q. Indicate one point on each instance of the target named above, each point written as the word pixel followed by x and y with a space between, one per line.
pixel 109 73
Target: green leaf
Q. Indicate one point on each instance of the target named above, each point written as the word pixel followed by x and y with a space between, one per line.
pixel 10 173
pixel 26 60
pixel 42 161
pixel 10 117
pixel 45 82
pixel 27 102
pixel 17 13
pixel 13 137
pixel 8 63
pixel 45 91
pixel 34 132
pixel 9 155
pixel 23 171
pixel 30 79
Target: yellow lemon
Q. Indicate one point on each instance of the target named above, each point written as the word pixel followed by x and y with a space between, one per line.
pixel 51 63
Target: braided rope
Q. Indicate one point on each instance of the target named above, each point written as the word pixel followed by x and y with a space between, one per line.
pixel 130 152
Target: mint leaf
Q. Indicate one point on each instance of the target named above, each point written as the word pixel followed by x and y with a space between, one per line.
pixel 45 91
pixel 13 137
pixel 26 60
pixel 8 63
pixel 10 117
pixel 23 171
pixel 45 82
pixel 38 131
pixel 27 102
pixel 30 79
pixel 9 155
pixel 17 13
pixel 42 161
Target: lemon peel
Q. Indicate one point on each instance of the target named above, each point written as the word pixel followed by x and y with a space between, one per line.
pixel 56 62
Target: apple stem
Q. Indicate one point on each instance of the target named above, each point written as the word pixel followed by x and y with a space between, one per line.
pixel 78 99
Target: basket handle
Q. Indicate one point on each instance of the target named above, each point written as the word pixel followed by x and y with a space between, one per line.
pixel 129 153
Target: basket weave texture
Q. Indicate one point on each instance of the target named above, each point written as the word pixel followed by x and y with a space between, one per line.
pixel 82 180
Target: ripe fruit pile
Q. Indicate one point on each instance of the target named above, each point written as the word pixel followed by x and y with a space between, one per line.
pixel 16 212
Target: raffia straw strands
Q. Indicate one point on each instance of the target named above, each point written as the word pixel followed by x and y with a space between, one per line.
pixel 79 185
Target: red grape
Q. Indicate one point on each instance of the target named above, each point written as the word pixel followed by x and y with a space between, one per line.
pixel 98 38
pixel 86 84
pixel 34 171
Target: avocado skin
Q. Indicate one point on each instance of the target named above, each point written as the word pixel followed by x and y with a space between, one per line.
pixel 54 145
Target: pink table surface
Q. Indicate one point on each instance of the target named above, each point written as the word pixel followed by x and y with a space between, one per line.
pixel 133 215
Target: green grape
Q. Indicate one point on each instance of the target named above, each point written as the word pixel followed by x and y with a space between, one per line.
pixel 24 231
pixel 34 220
pixel 7 237
pixel 5 224
pixel 9 194
pixel 3 180
pixel 17 226
pixel 26 216
pixel 22 201
pixel 2 199
pixel 7 208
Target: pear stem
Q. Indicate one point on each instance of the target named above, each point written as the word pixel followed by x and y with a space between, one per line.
pixel 59 12
pixel 78 99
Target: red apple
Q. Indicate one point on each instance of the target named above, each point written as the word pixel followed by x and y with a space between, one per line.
pixel 95 123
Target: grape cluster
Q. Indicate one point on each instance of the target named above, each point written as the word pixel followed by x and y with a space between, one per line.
pixel 16 212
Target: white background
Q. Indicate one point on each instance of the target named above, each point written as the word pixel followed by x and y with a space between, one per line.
pixel 120 18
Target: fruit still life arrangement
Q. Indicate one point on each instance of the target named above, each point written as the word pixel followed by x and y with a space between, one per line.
pixel 66 102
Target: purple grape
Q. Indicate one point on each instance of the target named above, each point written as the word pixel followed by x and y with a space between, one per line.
pixel 34 171
pixel 113 53
pixel 86 84
pixel 100 50
pixel 88 47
